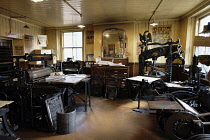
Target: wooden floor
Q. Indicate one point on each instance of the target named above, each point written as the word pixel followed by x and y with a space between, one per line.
pixel 107 120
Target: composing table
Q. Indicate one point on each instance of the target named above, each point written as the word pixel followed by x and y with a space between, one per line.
pixel 73 79
pixel 142 80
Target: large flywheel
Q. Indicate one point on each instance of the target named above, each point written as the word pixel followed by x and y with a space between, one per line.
pixel 180 126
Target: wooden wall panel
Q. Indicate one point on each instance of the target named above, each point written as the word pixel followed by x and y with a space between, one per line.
pixel 16 27
pixel 134 69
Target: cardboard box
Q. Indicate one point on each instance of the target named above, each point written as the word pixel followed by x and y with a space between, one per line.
pixel 36 52
pixel 35 62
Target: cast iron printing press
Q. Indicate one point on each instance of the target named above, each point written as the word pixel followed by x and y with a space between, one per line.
pixel 182 111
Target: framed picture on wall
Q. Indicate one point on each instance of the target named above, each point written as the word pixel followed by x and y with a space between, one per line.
pixel 42 40
pixel 161 34
pixel 90 37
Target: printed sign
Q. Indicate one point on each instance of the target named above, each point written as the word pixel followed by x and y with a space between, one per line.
pixel 42 40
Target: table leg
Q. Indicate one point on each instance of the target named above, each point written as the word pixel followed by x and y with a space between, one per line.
pixel 89 93
pixel 138 109
pixel 86 86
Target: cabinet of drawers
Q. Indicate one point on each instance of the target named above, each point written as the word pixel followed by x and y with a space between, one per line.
pixel 109 81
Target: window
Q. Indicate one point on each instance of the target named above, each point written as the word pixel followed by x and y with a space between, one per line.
pixel 72 47
pixel 203 50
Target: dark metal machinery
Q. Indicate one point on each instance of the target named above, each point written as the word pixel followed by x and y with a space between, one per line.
pixel 193 119
pixel 170 50
pixel 35 101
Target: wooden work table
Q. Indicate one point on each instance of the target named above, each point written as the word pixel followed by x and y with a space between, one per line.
pixel 3 103
pixel 142 80
pixel 71 79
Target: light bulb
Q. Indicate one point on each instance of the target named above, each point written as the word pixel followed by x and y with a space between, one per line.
pixel 154 24
pixel 81 26
pixel 37 0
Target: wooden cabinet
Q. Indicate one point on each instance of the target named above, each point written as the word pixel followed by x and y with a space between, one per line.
pixel 124 61
pixel 109 81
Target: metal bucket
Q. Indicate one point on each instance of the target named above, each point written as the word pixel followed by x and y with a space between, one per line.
pixel 66 122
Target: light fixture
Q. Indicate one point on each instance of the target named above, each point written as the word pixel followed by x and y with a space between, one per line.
pixel 26 26
pixel 37 0
pixel 81 25
pixel 154 23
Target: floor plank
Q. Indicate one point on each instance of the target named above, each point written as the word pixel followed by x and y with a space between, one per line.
pixel 106 120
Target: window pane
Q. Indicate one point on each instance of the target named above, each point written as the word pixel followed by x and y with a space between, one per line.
pixel 67 52
pixel 68 39
pixel 73 39
pixel 203 50
pixel 77 39
pixel 204 21
pixel 77 53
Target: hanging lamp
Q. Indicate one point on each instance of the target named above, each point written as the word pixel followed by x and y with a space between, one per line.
pixel 26 26
pixel 81 25
pixel 154 23
pixel 37 0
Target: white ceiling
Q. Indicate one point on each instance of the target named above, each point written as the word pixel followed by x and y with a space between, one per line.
pixel 57 13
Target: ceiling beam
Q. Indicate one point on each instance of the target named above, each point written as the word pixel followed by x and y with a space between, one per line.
pixel 72 7
pixel 155 10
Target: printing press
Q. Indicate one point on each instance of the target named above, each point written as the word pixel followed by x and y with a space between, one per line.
pixel 36 101
pixel 183 110
pixel 170 50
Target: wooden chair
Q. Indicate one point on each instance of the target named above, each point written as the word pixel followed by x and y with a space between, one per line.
pixel 70 67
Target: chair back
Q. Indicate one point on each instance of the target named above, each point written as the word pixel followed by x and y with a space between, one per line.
pixel 70 67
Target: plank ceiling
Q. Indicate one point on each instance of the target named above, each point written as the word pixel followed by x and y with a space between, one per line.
pixel 59 13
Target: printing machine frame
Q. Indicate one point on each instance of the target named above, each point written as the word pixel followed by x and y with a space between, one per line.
pixel 186 118
pixel 32 96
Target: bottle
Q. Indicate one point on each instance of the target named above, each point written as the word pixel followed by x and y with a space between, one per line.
pixel 98 59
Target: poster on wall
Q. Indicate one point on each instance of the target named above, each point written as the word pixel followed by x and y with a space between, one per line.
pixel 42 40
pixel 28 43
pixel 161 34
pixel 90 37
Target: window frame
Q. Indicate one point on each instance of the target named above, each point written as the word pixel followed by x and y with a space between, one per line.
pixel 199 30
pixel 63 48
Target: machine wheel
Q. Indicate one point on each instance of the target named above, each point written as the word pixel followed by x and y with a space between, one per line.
pixel 200 137
pixel 180 126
